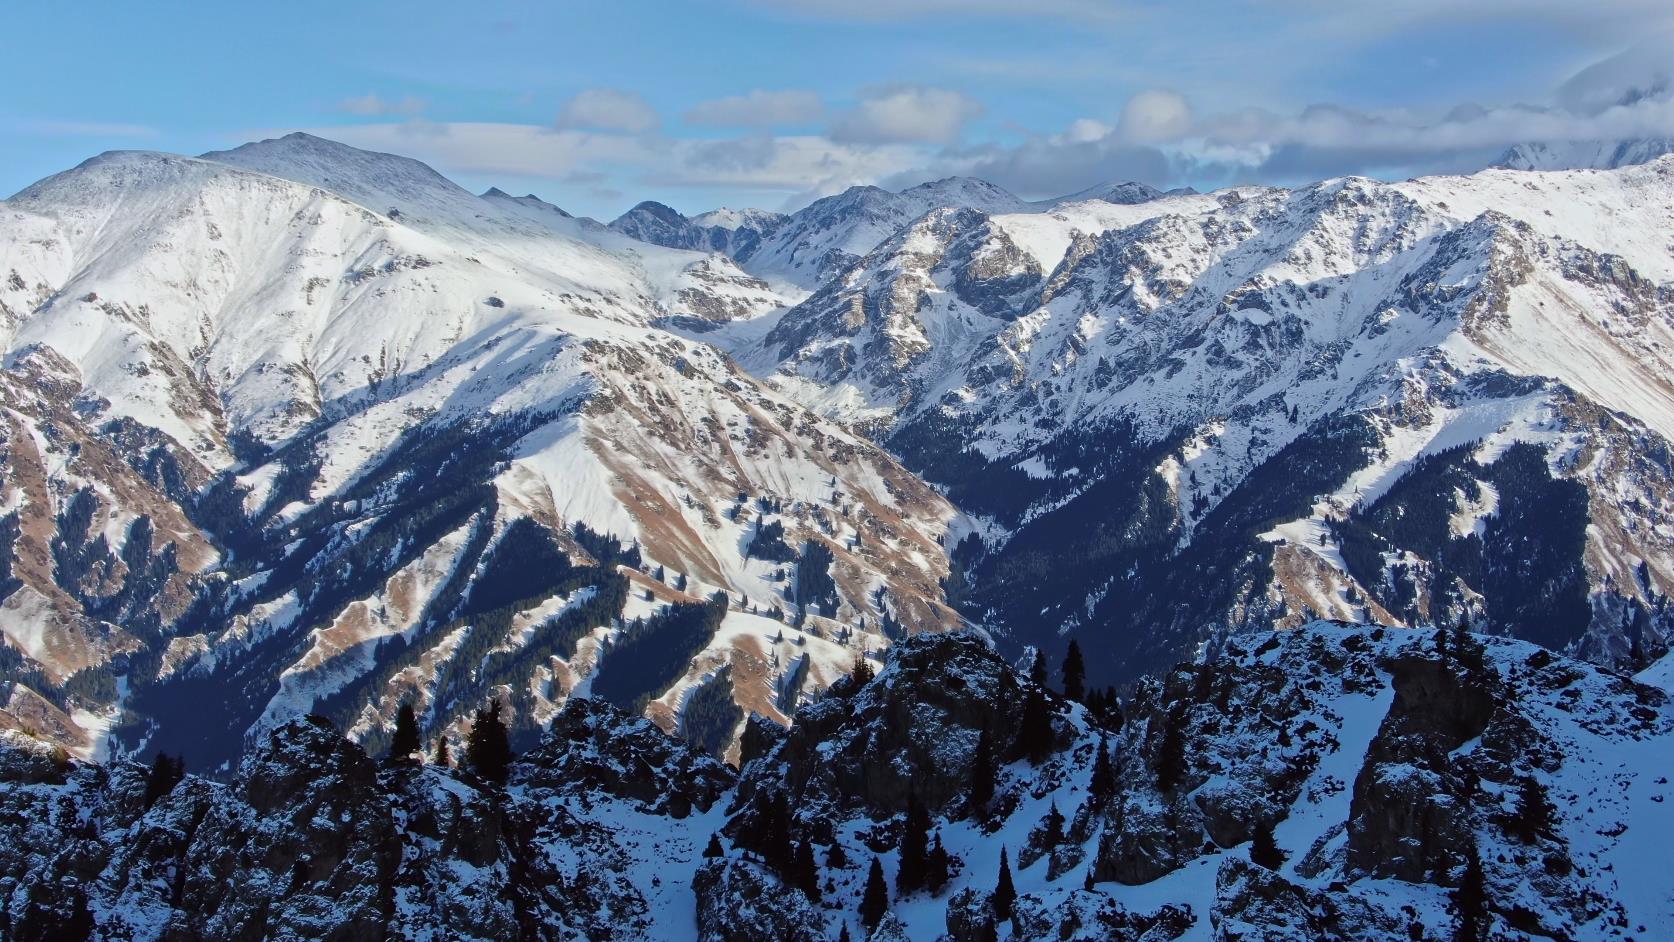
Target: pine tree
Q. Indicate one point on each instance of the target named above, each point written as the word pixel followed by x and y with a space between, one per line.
pixel 488 748
pixel 680 583
pixel 843 936
pixel 165 773
pixel 773 835
pixel 1075 673
pixel 862 671
pixel 981 790
pixel 1103 784
pixel 714 849
pixel 1170 761
pixel 806 872
pixel 875 902
pixel 836 858
pixel 915 846
pixel 1264 851
pixel 1034 732
pixel 1053 826
pixel 405 742
pixel 442 757
pixel 938 866
pixel 1534 816
pixel 1113 716
pixel 1004 892
pixel 1037 669
pixel 1470 902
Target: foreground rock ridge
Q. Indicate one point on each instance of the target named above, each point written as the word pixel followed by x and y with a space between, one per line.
pixel 1328 782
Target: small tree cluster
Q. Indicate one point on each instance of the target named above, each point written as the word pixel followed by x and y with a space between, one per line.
pixel 1169 764
pixel 488 750
pixel 1105 707
pixel 1035 736
pixel 1264 851
pixel 166 772
pixel 1533 817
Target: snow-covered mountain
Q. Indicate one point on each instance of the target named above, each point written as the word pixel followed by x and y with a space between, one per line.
pixel 1584 155
pixel 811 245
pixel 292 424
pixel 297 426
pixel 1204 412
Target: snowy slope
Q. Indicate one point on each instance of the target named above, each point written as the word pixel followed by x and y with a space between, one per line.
pixel 1584 155
pixel 355 376
pixel 1191 342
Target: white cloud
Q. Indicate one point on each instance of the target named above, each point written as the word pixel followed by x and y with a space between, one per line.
pixel 1648 67
pixel 797 167
pixel 372 104
pixel 758 109
pixel 906 114
pixel 1155 115
pixel 608 109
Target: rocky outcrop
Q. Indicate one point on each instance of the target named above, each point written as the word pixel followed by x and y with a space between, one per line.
pixel 313 839
pixel 1335 782
pixel 925 712
pixel 593 747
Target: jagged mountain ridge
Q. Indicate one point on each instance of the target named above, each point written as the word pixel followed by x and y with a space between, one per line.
pixel 1381 761
pixel 1236 380
pixel 1136 396
pixel 333 432
pixel 1584 155
pixel 817 242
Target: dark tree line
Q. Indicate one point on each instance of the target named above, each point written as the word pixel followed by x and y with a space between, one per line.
pixel 653 653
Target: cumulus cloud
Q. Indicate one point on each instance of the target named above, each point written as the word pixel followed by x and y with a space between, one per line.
pixel 1155 115
pixel 1087 153
pixel 758 109
pixel 608 109
pixel 793 168
pixel 898 114
pixel 1647 69
pixel 372 104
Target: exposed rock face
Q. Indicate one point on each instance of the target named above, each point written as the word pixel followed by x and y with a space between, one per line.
pixel 1210 413
pixel 924 713
pixel 1381 762
pixel 1380 765
pixel 312 839
pixel 595 748
pixel 399 430
pixel 738 901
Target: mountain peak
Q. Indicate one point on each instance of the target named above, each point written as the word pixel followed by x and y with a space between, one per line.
pixel 384 183
pixel 1584 155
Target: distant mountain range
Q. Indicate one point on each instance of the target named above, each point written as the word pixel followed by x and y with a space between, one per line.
pixel 298 427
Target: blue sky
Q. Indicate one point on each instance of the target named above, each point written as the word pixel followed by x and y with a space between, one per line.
pixel 597 105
